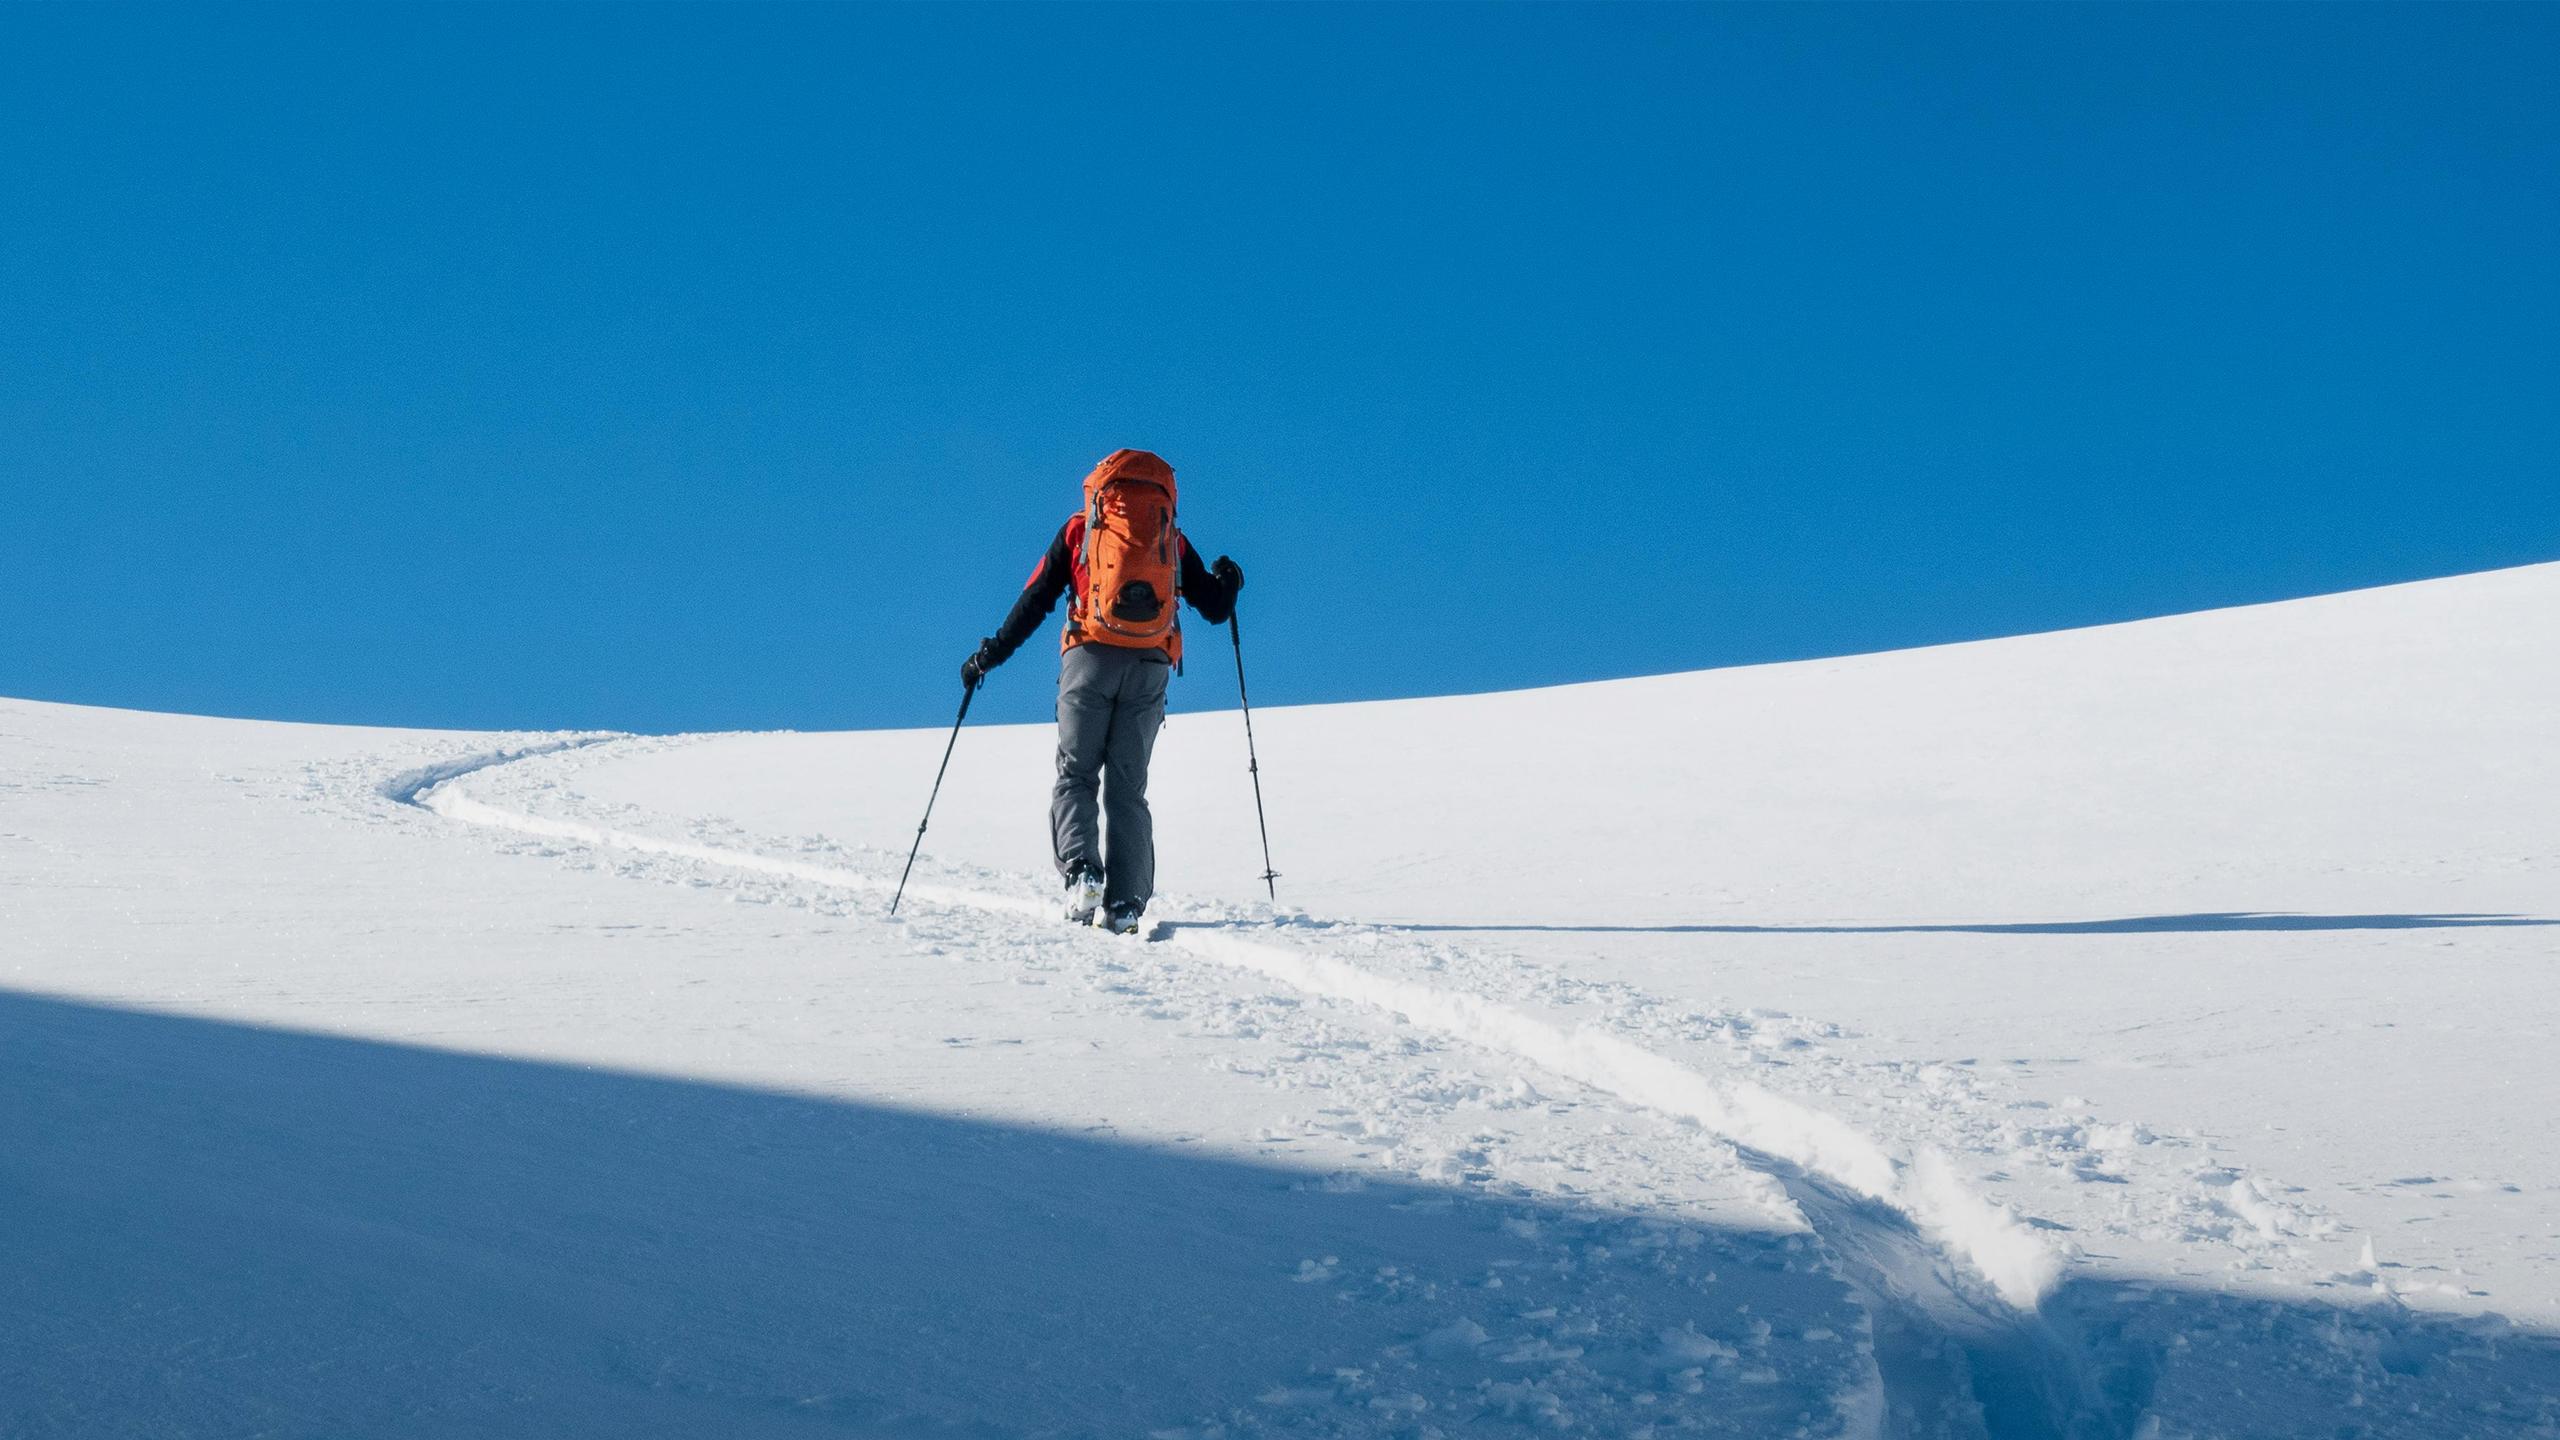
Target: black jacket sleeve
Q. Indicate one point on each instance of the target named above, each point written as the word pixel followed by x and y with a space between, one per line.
pixel 1206 592
pixel 1038 598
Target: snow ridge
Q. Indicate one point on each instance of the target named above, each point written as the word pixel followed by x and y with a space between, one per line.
pixel 2020 1266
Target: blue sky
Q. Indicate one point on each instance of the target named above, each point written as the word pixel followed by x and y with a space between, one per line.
pixel 673 368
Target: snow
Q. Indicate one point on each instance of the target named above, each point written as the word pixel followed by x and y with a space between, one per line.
pixel 2138 1031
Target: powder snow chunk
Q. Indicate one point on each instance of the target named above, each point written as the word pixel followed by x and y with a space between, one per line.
pixel 1685 1347
pixel 1458 1337
pixel 1539 1351
pixel 1310 1271
pixel 2021 1264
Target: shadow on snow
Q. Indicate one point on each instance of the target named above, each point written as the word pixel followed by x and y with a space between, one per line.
pixel 220 1229
pixel 2201 924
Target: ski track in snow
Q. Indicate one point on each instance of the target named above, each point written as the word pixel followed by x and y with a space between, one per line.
pixel 406 787
pixel 2020 1266
pixel 1947 1275
pixel 1956 1345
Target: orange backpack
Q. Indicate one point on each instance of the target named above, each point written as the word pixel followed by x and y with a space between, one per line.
pixel 1132 557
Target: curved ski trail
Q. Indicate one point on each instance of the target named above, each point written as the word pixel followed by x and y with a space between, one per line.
pixel 1953 1281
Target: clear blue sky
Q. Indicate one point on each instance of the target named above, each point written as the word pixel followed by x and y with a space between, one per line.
pixel 670 368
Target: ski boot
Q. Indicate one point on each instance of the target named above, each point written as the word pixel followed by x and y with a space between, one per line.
pixel 1119 920
pixel 1084 898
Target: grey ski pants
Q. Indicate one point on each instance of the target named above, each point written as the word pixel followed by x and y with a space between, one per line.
pixel 1110 705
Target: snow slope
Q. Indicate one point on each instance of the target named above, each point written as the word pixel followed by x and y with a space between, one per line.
pixel 2142 1031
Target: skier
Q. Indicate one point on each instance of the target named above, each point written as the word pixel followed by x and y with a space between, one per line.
pixel 1127 566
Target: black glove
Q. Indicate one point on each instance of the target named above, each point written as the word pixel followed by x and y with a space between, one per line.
pixel 1230 574
pixel 975 668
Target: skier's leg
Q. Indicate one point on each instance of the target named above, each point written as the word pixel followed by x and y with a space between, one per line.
pixel 1139 715
pixel 1084 728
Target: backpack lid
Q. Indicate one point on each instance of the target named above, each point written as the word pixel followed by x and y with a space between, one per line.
pixel 1143 465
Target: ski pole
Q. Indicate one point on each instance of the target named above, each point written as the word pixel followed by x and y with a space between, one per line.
pixel 966 693
pixel 1252 764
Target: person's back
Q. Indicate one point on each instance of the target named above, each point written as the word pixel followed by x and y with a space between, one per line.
pixel 1124 559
